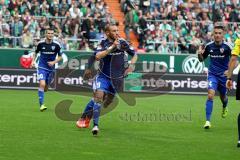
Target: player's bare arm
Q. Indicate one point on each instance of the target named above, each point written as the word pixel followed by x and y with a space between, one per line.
pixel 232 64
pixel 104 53
pixel 131 67
pixel 200 53
pixel 33 60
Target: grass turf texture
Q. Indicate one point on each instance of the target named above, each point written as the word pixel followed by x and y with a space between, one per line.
pixel 26 133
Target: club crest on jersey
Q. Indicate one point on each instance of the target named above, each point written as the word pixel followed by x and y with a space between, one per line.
pixel 53 47
pixel 221 50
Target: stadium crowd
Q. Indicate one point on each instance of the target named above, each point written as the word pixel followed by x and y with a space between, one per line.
pixel 166 26
pixel 75 22
pixel 177 26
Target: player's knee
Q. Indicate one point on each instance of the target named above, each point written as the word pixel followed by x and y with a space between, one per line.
pixel 210 96
pixel 42 85
pixel 98 98
pixel 45 88
pixel 107 102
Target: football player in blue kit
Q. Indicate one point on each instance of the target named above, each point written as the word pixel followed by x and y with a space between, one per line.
pixel 50 54
pixel 113 67
pixel 219 53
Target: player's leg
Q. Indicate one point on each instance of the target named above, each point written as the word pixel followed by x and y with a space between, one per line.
pixel 49 79
pixel 87 113
pixel 101 86
pixel 98 100
pixel 212 86
pixel 86 117
pixel 110 102
pixel 46 88
pixel 224 100
pixel 238 130
pixel 108 99
pixel 42 84
pixel 223 95
pixel 209 108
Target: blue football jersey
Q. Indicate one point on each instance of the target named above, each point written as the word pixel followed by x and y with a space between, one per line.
pixel 48 52
pixel 115 63
pixel 219 57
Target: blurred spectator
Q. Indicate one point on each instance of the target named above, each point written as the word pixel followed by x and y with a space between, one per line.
pixel 16 30
pixel 164 48
pixel 131 20
pixel 27 39
pixel 183 24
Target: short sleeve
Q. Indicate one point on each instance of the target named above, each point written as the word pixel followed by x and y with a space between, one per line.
pixel 131 51
pixel 236 48
pixel 127 47
pixel 99 48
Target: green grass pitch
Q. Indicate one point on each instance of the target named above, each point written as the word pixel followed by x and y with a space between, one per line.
pixel 28 134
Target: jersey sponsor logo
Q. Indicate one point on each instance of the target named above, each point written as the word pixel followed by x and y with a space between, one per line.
pixel 48 52
pixel 57 65
pixel 116 53
pixel 217 56
pixel 211 51
pixel 53 47
pixel 191 64
pixel 43 48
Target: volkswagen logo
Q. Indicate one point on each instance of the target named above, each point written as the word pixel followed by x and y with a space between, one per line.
pixel 191 64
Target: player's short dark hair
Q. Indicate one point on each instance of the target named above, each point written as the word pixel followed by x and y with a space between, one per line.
pixel 49 29
pixel 107 28
pixel 219 27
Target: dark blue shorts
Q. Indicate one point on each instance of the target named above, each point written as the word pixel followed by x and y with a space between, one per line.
pixel 46 75
pixel 217 83
pixel 107 85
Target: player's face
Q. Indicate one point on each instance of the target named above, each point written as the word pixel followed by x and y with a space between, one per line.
pixel 49 34
pixel 113 32
pixel 218 35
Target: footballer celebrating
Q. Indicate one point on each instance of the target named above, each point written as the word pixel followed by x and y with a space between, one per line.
pixel 229 84
pixel 49 49
pixel 219 52
pixel 113 67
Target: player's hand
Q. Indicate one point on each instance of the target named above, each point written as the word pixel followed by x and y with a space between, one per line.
pixel 226 73
pixel 229 84
pixel 129 70
pixel 87 74
pixel 200 50
pixel 113 46
pixel 116 43
pixel 51 63
pixel 32 65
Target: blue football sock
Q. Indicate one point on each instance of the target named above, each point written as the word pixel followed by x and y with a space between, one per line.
pixel 88 109
pixel 239 126
pixel 96 113
pixel 209 107
pixel 225 102
pixel 41 96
